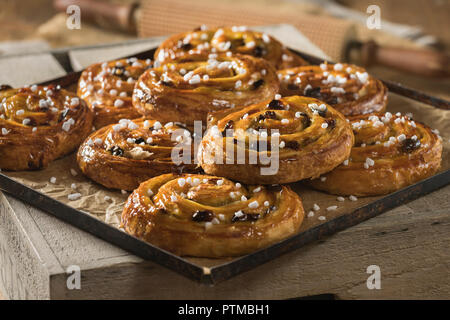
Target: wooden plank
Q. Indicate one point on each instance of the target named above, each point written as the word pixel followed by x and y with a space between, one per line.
pixel 81 58
pixel 409 244
pixel 33 68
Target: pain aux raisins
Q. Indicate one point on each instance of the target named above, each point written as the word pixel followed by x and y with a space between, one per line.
pixel 116 151
pixel 409 145
pixel 202 216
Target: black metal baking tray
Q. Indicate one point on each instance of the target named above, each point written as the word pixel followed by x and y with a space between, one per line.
pixel 217 273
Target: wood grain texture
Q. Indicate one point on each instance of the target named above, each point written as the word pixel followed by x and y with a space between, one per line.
pixel 408 244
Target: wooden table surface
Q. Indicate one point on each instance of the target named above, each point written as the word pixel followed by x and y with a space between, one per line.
pixel 409 244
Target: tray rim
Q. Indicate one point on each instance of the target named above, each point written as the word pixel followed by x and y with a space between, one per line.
pixel 227 270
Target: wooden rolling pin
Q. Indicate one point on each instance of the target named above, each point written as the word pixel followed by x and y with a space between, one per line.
pixel 161 17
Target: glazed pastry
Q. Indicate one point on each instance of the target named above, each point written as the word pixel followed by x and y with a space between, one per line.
pixel 304 138
pixel 107 88
pixel 123 155
pixel 347 88
pixel 187 91
pixel 40 124
pixel 390 153
pixel 234 39
pixel 212 217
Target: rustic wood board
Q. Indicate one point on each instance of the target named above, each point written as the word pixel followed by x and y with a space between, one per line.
pixel 312 270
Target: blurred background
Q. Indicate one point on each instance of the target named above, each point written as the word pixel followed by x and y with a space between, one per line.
pixel 417 30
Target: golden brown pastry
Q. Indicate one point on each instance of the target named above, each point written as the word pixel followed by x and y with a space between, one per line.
pixel 234 39
pixel 347 88
pixel 121 156
pixel 187 91
pixel 40 124
pixel 107 88
pixel 390 152
pixel 303 136
pixel 208 216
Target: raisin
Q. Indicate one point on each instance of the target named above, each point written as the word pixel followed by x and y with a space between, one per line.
pixel 292 145
pixel 274 188
pixel 228 125
pixel 139 140
pixel 186 46
pixel 313 93
pixel 269 210
pixel 252 217
pixel 267 115
pixel 270 115
pixel 202 215
pixel 63 114
pixel 292 86
pixel 409 145
pixel 167 83
pixel 306 121
pixel 331 123
pixel 259 51
pixel 261 117
pixel 161 211
pixel 245 217
pixel 276 104
pixel 257 84
pixel 322 113
pixel 236 218
pixel 5 87
pixel 118 71
pixel 331 100
pixel 116 151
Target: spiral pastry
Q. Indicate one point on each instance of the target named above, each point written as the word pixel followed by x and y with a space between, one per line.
pixel 123 155
pixel 347 88
pixel 390 152
pixel 303 136
pixel 107 88
pixel 234 40
pixel 208 216
pixel 187 91
pixel 40 124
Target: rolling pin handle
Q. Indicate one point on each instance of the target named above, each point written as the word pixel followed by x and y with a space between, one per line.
pixel 421 62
